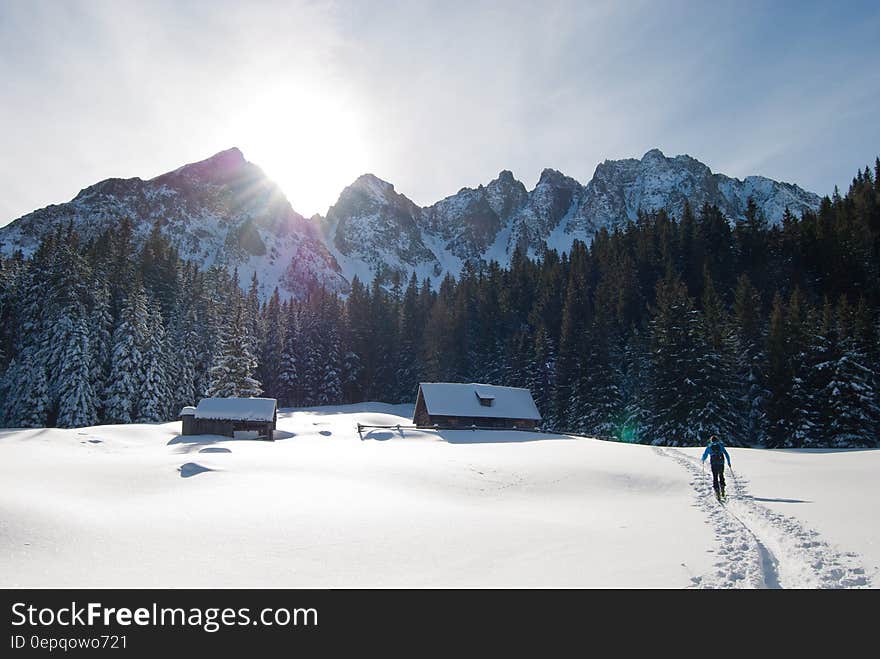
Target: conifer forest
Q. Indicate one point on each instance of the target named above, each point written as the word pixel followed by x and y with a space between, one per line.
pixel 663 331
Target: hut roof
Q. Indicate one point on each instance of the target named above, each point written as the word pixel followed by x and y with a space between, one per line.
pixel 479 400
pixel 188 410
pixel 237 409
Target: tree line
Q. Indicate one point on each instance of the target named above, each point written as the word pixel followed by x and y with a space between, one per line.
pixel 662 331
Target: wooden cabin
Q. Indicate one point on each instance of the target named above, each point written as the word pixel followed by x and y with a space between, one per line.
pixel 240 418
pixel 456 405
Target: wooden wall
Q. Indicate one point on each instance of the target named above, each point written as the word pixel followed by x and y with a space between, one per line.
pixel 194 426
pixel 465 422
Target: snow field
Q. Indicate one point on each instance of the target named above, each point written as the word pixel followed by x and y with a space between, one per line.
pixel 139 506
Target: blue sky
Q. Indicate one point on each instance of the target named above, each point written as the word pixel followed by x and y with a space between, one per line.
pixel 431 96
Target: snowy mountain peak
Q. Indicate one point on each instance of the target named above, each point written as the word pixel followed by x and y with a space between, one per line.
pixel 619 189
pixel 372 228
pixel 219 168
pixel 232 155
pixel 372 185
pixel 557 179
pixel 218 211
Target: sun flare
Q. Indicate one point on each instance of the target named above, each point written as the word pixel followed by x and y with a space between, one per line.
pixel 310 143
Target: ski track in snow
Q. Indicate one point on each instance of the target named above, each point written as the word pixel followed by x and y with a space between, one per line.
pixel 760 548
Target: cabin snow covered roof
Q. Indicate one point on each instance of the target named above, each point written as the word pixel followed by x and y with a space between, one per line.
pixel 188 410
pixel 470 400
pixel 237 409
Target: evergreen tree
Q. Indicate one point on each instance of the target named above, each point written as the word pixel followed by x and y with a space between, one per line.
pixel 330 383
pixel 231 373
pixel 633 423
pixel 674 377
pixel 750 361
pixel 566 403
pixel 803 414
pixel 851 393
pixel 25 394
pixel 411 323
pixel 359 316
pixel 77 404
pixel 542 367
pixel 309 367
pixel 598 399
pixel 182 355
pixel 750 235
pixel 598 396
pixel 778 376
pixel 272 348
pixel 127 361
pixel 717 399
pixel 253 317
pixel 439 347
pixel 791 412
pixel 289 367
pixel 101 331
pixel 152 381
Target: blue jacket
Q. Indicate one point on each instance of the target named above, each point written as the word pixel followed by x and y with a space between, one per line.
pixel 709 449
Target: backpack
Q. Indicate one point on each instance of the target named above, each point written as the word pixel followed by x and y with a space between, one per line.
pixel 716 452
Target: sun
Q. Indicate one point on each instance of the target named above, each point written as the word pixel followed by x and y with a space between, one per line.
pixel 310 142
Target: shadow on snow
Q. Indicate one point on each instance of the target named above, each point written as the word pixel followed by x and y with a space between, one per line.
pixel 190 469
pixel 466 436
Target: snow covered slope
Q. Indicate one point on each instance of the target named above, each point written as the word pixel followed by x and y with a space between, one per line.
pixel 373 225
pixel 140 505
pixel 220 211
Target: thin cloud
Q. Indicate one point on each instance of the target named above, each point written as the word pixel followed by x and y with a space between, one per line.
pixel 442 95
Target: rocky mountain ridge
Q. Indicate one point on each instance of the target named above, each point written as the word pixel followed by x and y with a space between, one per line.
pixel 225 211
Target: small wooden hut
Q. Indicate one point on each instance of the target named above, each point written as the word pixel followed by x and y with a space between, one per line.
pixel 456 405
pixel 240 418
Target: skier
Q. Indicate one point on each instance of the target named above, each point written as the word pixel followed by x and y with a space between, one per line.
pixel 716 452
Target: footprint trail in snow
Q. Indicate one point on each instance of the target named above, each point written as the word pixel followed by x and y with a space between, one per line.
pixel 760 548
